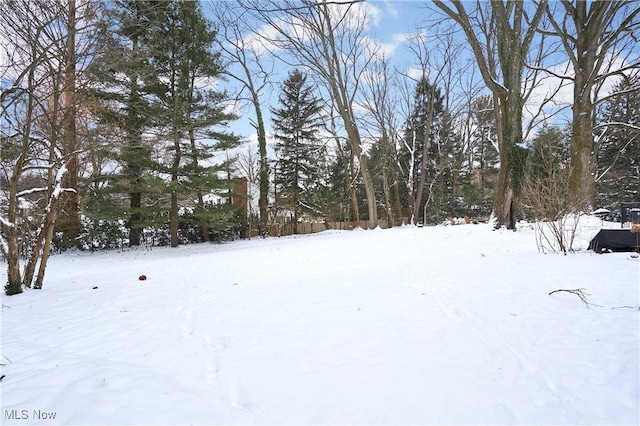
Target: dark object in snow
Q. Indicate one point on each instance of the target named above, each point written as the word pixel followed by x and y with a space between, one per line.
pixel 608 240
pixel 2 377
pixel 629 212
pixel 625 239
pixel 95 288
pixel 142 277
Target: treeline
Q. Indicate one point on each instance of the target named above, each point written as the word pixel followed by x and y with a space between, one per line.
pixel 116 116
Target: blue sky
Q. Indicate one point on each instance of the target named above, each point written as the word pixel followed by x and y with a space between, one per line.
pixel 392 23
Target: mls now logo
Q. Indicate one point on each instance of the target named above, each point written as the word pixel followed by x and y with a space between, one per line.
pixel 26 414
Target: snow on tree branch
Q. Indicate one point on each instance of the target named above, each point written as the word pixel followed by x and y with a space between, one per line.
pixel 30 191
pixel 5 223
pixel 617 123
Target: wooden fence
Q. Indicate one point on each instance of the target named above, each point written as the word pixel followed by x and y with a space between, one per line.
pixel 281 230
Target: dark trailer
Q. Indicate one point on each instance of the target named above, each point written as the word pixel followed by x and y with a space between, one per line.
pixel 627 238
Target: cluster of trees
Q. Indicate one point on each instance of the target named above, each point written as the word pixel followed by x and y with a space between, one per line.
pixel 109 110
pixel 114 120
pixel 432 145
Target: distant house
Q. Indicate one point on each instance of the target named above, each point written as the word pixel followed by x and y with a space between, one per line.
pixel 238 196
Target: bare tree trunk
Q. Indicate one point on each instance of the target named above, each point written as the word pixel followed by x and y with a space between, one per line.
pixel 386 188
pixel 173 215
pixel 14 280
pixel 411 182
pixel 194 161
pixel 173 220
pixel 46 92
pixel 350 177
pixel 135 226
pixel 44 236
pixel 46 251
pixel 397 202
pixel 425 151
pixel 69 218
pixel 263 174
pixel 370 191
pixel 509 130
pixel 582 183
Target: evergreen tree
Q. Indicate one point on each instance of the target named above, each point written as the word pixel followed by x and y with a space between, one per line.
pixel 618 156
pixel 127 86
pixel 296 123
pixel 193 112
pixel 423 134
pixel 334 197
pixel 484 160
pixel 448 195
pixel 382 171
pixel 153 82
pixel 545 188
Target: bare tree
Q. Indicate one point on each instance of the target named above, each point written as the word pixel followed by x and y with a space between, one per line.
pixel 38 122
pixel 439 60
pixel 329 40
pixel 241 47
pixel 69 221
pixel 594 36
pixel 500 38
pixel 381 101
pixel 248 165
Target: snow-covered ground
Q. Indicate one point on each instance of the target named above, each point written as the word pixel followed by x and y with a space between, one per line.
pixel 434 325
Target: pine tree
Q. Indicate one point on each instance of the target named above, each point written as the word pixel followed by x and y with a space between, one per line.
pixel 154 85
pixel 192 111
pixel 424 134
pixel 334 197
pixel 296 124
pixel 483 158
pixel 545 188
pixel 126 86
pixel 618 156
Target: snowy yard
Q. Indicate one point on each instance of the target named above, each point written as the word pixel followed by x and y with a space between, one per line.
pixel 434 325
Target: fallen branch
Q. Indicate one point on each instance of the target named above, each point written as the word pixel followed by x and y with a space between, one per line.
pixel 578 292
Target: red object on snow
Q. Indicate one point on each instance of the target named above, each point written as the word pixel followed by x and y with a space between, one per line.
pixel 142 277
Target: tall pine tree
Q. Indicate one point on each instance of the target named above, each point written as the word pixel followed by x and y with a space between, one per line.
pixel 154 82
pixel 423 136
pixel 192 111
pixel 126 87
pixel 296 123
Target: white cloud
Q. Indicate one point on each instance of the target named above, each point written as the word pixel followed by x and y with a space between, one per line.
pixel 417 73
pixel 391 9
pixel 261 41
pixel 388 48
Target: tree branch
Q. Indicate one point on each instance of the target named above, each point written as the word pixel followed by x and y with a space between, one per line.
pixel 580 292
